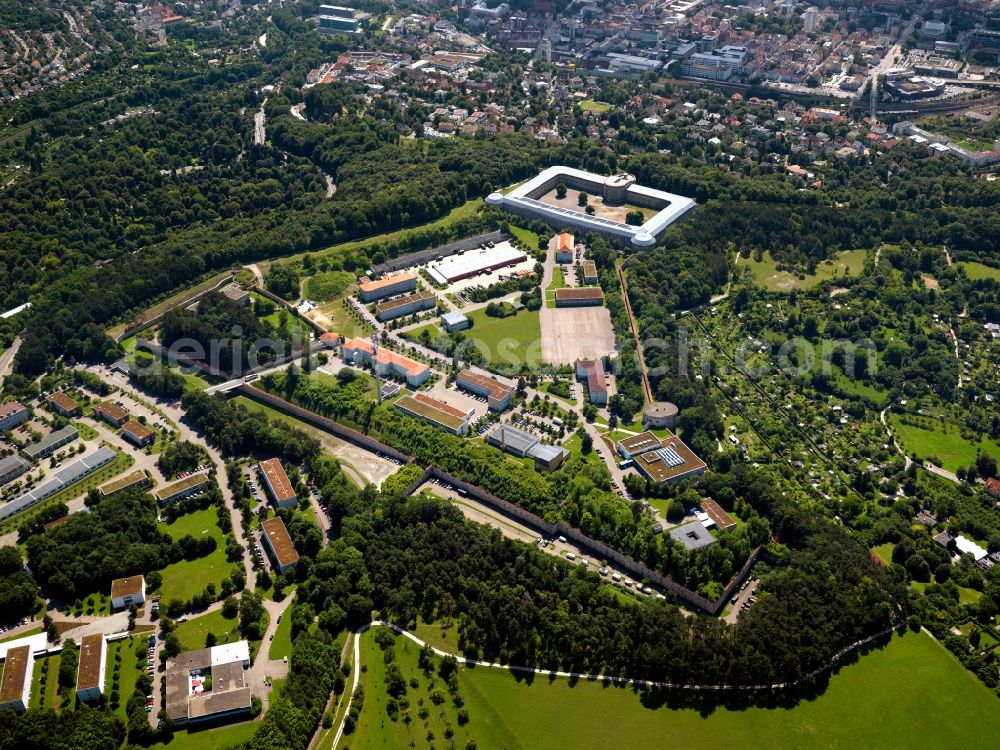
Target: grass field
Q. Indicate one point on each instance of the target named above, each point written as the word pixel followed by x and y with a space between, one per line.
pixel 910 693
pixel 884 552
pixel 505 340
pixel 767 275
pixel 526 236
pixel 976 271
pixel 327 285
pixel 282 643
pixel 182 580
pixel 945 444
pixel 193 632
pixel 965 595
pixel 589 105
pixel 208 739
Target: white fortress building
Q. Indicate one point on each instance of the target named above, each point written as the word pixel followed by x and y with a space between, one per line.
pixel 617 190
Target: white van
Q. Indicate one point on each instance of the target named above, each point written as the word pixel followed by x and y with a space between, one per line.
pixel 570 556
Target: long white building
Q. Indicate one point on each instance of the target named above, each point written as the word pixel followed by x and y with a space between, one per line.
pixel 524 201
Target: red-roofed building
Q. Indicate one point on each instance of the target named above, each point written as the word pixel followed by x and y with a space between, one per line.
pixel 360 351
pixel 993 486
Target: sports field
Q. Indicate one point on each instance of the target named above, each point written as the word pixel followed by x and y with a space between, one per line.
pixel 910 693
pixel 767 275
pixel 946 445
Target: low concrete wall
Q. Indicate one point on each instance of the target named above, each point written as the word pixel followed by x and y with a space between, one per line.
pixel 143 325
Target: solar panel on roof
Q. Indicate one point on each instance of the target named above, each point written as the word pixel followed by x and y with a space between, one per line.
pixel 670 455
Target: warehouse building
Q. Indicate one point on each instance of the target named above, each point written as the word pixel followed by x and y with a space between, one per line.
pixel 209 685
pixel 12 414
pixel 128 591
pixel 474 262
pixel 179 490
pixel 437 413
pixel 455 321
pixel 692 535
pixel 111 413
pixel 90 672
pixel 498 396
pixel 278 486
pixel 15 686
pixel 399 283
pixel 661 461
pixel 62 404
pixel 591 371
pixel 279 544
pixel 131 480
pixel 361 351
pixel 60 481
pixel 11 468
pixel 137 433
pixel 51 443
pixel 524 201
pixel 523 444
pixel 406 305
pixel 586 296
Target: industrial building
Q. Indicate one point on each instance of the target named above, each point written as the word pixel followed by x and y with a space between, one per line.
pixel 111 413
pixel 51 443
pixel 11 468
pixel 60 403
pixel 12 414
pixel 584 296
pixel 279 544
pixel 209 684
pixel 189 485
pixel 406 305
pixel 276 481
pixel 437 413
pixel 565 245
pixel 523 444
pixel 361 351
pixel 90 672
pixel 523 201
pixel 692 535
pixel 59 481
pixel 497 395
pixel 658 460
pixel 399 283
pixel 591 371
pixel 133 479
pixel 137 433
pixel 474 262
pixel 423 257
pixel 455 321
pixel 128 591
pixel 15 686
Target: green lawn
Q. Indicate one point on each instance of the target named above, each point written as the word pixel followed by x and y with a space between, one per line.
pixel 327 285
pixel 976 271
pixel 193 632
pixel 965 595
pixel 909 693
pixel 507 340
pixel 526 236
pixel 558 282
pixel 767 275
pixel 209 739
pixel 884 552
pixel 951 450
pixel 589 105
pixel 282 643
pixel 182 580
